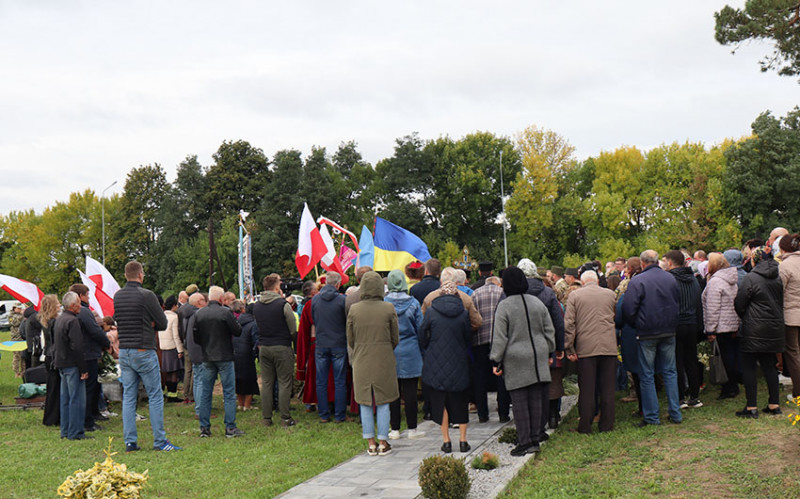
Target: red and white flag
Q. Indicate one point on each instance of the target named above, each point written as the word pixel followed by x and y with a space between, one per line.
pixel 101 277
pixel 330 261
pixel 310 246
pixel 23 291
pixel 98 300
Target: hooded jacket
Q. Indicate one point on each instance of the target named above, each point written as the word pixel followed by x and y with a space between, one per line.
pixel 277 325
pixel 409 319
pixel 443 338
pixel 718 312
pixel 690 303
pixel 759 302
pixel 735 259
pixel 789 270
pixel 330 320
pixel 244 347
pixel 372 334
pixel 548 297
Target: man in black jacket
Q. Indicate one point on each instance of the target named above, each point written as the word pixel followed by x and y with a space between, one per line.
pixel 277 330
pixel 213 327
pixel 429 282
pixel 139 317
pixel 94 341
pixel 69 360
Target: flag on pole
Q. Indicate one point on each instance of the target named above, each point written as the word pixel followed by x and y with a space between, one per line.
pixel 101 277
pixel 22 290
pixel 347 257
pixel 366 256
pixel 99 301
pixel 338 228
pixel 330 261
pixel 395 246
pixel 310 246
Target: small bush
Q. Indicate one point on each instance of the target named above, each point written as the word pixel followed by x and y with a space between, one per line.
pixel 443 478
pixel 486 461
pixel 106 479
pixel 509 436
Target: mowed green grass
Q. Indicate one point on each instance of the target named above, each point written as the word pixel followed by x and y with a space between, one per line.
pixel 263 463
pixel 711 454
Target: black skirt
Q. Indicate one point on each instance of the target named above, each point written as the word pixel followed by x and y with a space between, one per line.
pixel 456 403
pixel 170 362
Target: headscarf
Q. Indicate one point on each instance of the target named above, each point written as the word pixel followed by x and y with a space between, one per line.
pixel 528 268
pixel 396 282
pixel 449 288
pixel 760 254
pixel 702 268
pixel 514 281
pixel 734 257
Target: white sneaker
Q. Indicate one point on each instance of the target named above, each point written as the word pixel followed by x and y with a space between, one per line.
pixel 415 433
pixel 394 435
pixel 139 417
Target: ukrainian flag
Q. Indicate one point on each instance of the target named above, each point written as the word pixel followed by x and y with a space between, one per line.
pixel 395 247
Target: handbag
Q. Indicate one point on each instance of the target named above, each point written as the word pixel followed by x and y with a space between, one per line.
pixel 718 374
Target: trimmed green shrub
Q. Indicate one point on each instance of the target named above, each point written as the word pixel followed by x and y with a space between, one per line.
pixel 443 478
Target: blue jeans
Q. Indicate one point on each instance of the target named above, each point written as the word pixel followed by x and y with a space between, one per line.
pixel 326 357
pixel 198 375
pixel 368 425
pixel 206 377
pixel 141 365
pixel 661 353
pixel 73 403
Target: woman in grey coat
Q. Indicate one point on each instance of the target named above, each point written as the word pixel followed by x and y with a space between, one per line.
pixel 522 341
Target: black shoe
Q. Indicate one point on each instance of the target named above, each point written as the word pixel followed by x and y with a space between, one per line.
pixel 83 437
pixel 100 417
pixel 447 447
pixel 544 437
pixel 233 432
pixel 748 413
pixel 674 422
pixel 520 450
pixel 205 432
pixel 96 427
pixel 774 411
pixel 483 420
pixel 427 416
pixel 505 419
pixel 288 422
pixel 729 395
pixel 464 447
pixel 534 448
pixel 644 423
pixel 132 447
pixel 553 424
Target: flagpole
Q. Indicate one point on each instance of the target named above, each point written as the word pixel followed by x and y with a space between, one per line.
pixel 503 206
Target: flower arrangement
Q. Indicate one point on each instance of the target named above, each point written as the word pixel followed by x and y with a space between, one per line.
pixel 106 479
pixel 486 461
pixel 794 418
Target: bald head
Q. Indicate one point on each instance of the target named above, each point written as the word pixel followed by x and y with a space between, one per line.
pixel 775 234
pixel 198 300
pixel 649 257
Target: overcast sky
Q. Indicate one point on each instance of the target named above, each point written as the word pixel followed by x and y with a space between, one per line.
pixel 91 89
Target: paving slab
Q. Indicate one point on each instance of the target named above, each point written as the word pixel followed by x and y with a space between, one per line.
pixel 396 475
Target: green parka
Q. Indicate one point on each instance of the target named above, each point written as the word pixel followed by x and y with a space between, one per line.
pixel 372 334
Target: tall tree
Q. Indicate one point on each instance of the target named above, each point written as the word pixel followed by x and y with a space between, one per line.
pixel 776 21
pixel 236 179
pixel 140 221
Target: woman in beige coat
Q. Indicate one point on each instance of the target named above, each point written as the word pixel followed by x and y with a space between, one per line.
pixel 372 334
pixel 790 275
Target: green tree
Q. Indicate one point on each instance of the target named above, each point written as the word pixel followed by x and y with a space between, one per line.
pixel 236 179
pixel 775 21
pixel 762 182
pixel 140 221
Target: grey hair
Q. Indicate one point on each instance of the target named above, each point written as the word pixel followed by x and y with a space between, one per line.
pixel 461 276
pixel 215 293
pixel 649 257
pixel 589 276
pixel 494 280
pixel 449 274
pixel 70 298
pixel 333 278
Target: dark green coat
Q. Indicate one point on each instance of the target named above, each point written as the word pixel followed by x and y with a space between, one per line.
pixel 372 334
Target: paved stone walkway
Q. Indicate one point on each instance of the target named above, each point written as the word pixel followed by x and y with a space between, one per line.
pixel 395 475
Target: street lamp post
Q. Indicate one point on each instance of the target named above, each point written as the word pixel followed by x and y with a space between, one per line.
pixel 103 206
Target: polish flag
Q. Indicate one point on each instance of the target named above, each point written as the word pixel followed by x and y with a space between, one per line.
pixel 102 278
pixel 99 301
pixel 330 261
pixel 310 246
pixel 23 291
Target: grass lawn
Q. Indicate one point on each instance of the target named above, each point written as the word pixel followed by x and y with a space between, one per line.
pixel 712 453
pixel 263 463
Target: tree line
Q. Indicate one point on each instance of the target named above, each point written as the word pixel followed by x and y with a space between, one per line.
pixel 559 210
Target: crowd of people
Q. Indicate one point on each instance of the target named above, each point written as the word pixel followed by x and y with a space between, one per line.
pixel 370 349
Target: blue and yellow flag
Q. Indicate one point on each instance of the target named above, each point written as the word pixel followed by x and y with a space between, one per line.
pixel 395 247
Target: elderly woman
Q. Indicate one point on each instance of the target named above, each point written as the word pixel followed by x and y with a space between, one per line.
pixel 372 334
pixel 444 338
pixel 406 353
pixel 759 302
pixel 790 276
pixel 522 341
pixel 719 316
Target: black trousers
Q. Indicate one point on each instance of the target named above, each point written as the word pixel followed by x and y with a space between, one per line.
pixel 503 398
pixel 686 361
pixel 52 403
pixel 481 372
pixel 92 393
pixel 767 362
pixel 597 372
pixel 408 392
pixel 729 349
pixel 528 412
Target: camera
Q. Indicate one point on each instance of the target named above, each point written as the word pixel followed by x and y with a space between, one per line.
pixel 291 284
